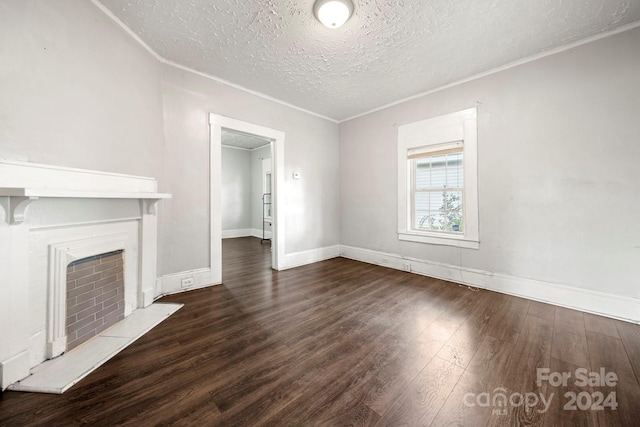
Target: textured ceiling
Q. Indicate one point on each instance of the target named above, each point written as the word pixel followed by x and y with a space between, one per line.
pixel 241 140
pixel 389 49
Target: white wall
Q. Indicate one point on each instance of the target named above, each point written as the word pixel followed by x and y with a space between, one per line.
pixel 76 90
pixel 558 170
pixel 236 189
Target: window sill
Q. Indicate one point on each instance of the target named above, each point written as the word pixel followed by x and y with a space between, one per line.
pixel 460 242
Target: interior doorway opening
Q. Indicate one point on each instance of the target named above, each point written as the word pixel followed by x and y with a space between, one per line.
pixel 246 186
pixel 268 158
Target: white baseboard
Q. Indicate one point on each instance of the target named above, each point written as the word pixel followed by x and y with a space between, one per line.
pixel 604 304
pixel 245 232
pixel 297 259
pixel 14 369
pixel 172 283
pixel 232 234
pixel 258 233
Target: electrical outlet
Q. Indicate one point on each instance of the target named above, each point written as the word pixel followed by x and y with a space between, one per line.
pixel 187 282
pixel 407 266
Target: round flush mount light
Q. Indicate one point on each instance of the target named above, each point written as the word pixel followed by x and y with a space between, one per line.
pixel 333 13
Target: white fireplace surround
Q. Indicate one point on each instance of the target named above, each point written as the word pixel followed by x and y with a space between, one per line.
pixel 60 256
pixel 51 216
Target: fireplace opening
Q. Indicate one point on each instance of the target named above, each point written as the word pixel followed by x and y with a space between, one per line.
pixel 95 296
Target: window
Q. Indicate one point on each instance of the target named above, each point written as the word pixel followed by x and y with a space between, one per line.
pixel 437 186
pixel 437 180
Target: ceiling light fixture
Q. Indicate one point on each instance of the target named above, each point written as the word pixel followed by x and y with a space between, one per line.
pixel 333 13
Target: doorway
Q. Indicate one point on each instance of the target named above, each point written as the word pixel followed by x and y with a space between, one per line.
pixel 246 186
pixel 219 125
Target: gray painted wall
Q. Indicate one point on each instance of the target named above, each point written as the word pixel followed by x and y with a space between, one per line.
pixel 558 169
pixel 236 189
pixel 77 90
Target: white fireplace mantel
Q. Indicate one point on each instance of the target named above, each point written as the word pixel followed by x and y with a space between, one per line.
pixel 15 200
pixel 46 210
pixel 23 182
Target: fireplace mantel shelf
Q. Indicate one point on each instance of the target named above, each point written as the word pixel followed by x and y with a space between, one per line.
pixel 52 192
pixel 19 198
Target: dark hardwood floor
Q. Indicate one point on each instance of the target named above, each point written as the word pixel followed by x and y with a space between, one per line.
pixel 346 343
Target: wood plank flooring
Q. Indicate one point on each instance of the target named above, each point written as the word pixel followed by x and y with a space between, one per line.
pixel 346 343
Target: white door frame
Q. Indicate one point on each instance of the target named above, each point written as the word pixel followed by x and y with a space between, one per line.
pixel 217 123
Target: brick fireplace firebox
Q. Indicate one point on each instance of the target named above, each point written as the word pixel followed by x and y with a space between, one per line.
pixel 95 296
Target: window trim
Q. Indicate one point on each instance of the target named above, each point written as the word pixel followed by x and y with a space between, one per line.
pixel 446 129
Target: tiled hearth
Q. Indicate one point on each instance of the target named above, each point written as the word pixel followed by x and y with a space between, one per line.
pixel 59 374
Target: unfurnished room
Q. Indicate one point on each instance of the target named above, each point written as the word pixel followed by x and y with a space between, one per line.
pixel 320 212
